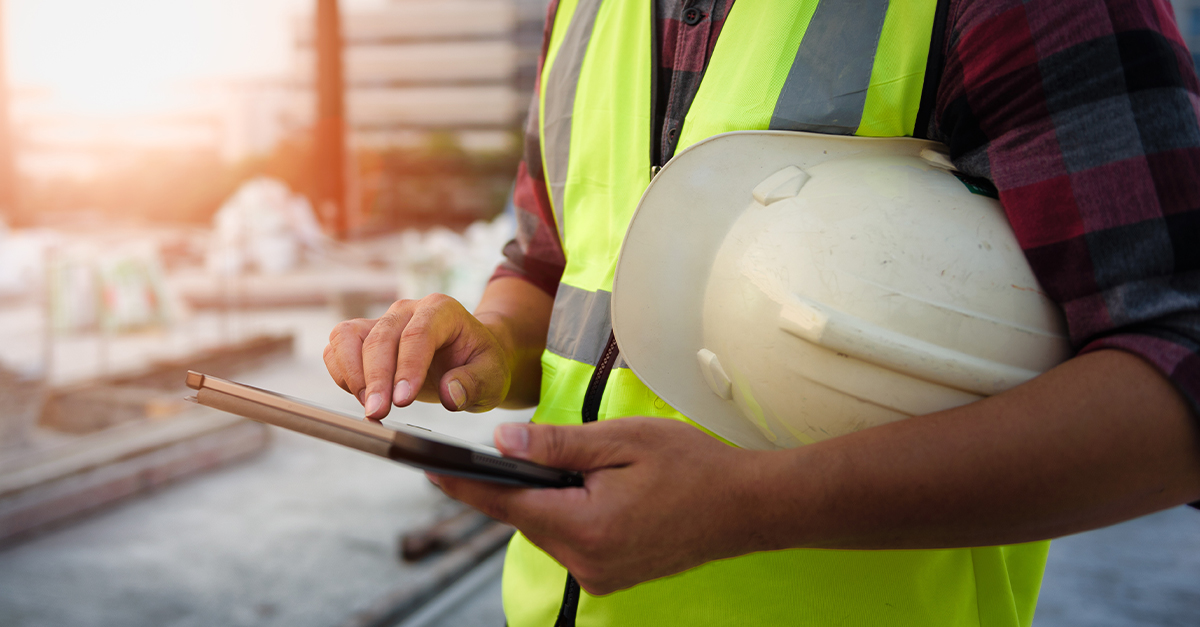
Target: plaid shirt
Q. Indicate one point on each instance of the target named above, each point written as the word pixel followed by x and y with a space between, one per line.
pixel 1084 113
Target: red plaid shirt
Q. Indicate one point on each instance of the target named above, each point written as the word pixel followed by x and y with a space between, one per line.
pixel 1084 113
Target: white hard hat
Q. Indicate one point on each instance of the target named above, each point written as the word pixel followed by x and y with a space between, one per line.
pixel 781 288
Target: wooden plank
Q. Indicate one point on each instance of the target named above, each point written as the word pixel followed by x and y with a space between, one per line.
pixel 422 20
pixel 434 106
pixel 90 408
pixel 100 470
pixel 405 601
pixel 428 63
pixel 497 140
pixel 312 287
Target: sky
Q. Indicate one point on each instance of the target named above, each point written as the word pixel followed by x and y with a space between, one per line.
pixel 131 57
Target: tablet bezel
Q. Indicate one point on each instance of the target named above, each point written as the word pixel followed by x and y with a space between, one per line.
pixel 428 451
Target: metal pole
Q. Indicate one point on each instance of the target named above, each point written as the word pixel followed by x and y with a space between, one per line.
pixel 330 145
pixel 8 170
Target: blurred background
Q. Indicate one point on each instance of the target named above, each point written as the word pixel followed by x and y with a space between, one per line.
pixel 213 185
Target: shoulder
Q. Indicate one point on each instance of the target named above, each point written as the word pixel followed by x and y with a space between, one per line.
pixel 1040 70
pixel 1041 29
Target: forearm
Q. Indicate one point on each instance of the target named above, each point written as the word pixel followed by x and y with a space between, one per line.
pixel 1100 439
pixel 518 313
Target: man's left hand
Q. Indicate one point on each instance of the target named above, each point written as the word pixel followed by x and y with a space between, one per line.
pixel 660 497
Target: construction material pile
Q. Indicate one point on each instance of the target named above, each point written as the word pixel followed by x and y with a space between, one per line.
pixel 442 261
pixel 263 226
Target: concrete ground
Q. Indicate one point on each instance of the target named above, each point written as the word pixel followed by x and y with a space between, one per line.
pixel 1143 572
pixel 474 601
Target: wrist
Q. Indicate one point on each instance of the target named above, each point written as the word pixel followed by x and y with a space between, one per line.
pixel 517 316
pixel 500 327
pixel 784 490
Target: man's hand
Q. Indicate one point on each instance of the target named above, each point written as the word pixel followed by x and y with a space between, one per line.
pixel 660 497
pixel 434 350
pixel 429 349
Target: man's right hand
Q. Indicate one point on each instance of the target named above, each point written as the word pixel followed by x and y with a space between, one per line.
pixel 434 350
pixel 430 349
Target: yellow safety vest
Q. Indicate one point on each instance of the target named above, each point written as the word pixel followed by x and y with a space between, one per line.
pixel 834 66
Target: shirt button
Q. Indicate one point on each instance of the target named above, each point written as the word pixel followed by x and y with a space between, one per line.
pixel 692 16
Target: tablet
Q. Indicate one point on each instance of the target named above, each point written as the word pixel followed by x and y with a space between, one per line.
pixel 410 445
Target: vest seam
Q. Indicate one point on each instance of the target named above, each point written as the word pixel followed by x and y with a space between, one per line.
pixel 589 412
pixel 934 65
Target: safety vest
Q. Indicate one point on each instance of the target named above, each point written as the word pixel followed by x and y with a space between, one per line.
pixel 833 66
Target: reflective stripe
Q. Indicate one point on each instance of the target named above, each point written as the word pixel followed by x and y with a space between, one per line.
pixel 827 84
pixel 559 106
pixel 579 324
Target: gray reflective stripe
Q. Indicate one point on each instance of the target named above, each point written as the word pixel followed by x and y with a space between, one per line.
pixel 826 87
pixel 579 324
pixel 560 101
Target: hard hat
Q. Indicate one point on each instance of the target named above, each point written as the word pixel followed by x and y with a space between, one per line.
pixel 781 288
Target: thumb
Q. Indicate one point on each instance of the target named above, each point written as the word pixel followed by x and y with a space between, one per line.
pixel 570 447
pixel 477 386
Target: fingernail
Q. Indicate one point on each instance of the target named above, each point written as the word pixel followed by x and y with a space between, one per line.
pixel 374 402
pixel 513 438
pixel 402 392
pixel 433 479
pixel 457 393
pixel 362 397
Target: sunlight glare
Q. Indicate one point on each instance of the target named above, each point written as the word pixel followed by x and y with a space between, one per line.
pixel 104 57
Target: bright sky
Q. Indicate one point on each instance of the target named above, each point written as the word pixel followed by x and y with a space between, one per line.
pixel 101 57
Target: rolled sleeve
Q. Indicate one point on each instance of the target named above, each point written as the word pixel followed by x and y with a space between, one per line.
pixel 536 253
pixel 1086 116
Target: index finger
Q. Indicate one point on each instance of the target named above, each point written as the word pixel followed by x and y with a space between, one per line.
pixel 343 355
pixel 379 353
pixel 435 323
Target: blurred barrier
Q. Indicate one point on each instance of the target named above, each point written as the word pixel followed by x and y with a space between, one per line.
pixel 154 392
pixel 110 291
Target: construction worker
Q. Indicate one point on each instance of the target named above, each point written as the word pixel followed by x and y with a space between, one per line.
pixel 1083 113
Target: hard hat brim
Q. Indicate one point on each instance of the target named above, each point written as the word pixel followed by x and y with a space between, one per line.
pixel 668 252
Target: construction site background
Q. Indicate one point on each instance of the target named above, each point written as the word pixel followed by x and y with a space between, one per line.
pixel 139 241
